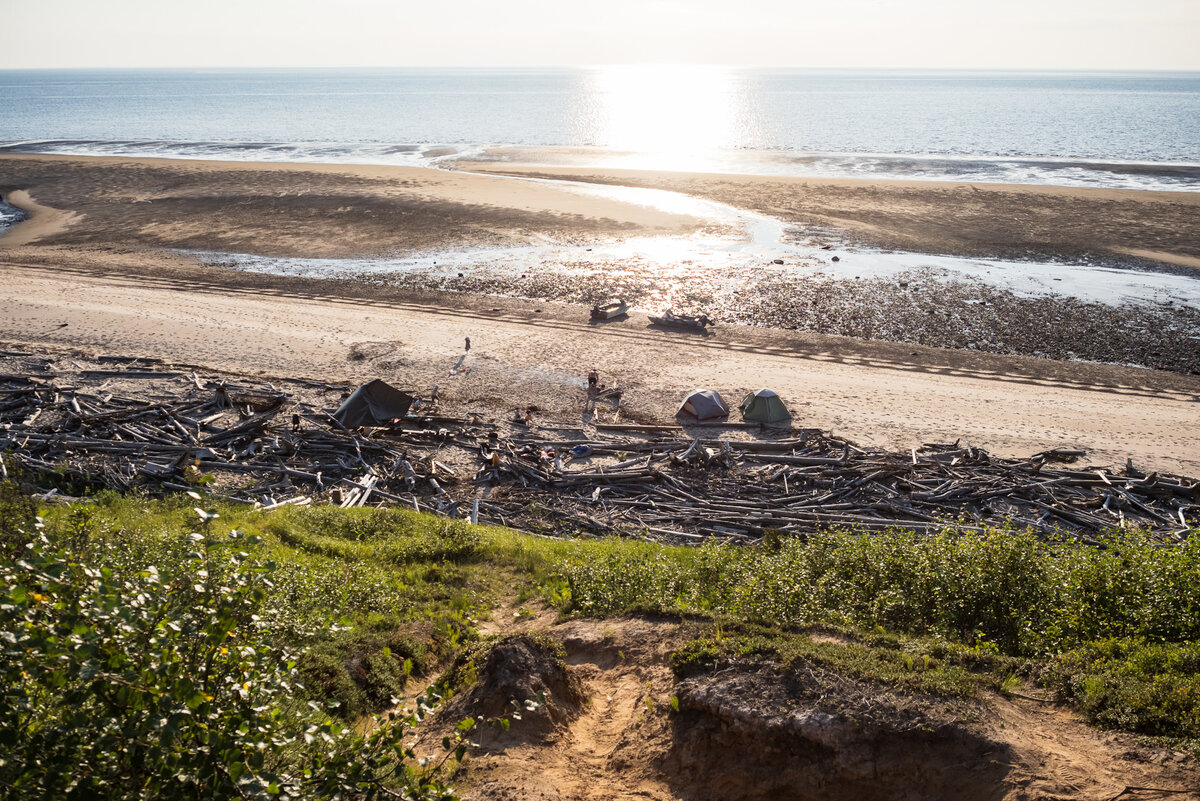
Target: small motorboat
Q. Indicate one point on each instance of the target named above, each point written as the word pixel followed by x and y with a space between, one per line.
pixel 610 311
pixel 672 320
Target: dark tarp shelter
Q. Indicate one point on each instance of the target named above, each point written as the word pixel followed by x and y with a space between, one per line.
pixel 373 404
pixel 703 404
pixel 764 406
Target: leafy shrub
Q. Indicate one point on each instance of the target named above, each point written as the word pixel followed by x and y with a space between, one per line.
pixel 166 682
pixel 363 669
pixel 1134 588
pixel 17 514
pixel 1008 589
pixel 1152 688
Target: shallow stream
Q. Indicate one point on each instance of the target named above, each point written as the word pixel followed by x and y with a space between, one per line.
pixel 734 246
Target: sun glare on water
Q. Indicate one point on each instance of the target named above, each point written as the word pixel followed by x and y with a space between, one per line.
pixel 663 116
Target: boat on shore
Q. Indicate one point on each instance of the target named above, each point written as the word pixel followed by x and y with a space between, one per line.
pixel 670 319
pixel 610 311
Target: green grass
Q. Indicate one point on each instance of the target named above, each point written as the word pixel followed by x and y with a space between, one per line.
pixel 920 664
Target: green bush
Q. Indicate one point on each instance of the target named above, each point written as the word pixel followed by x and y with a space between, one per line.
pixel 166 682
pixel 17 515
pixel 363 669
pixel 1152 688
pixel 1006 588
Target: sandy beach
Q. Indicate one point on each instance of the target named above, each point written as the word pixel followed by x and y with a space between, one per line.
pixel 97 268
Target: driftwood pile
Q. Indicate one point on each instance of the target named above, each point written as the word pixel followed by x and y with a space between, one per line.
pixel 255 443
pixel 709 487
pixel 250 443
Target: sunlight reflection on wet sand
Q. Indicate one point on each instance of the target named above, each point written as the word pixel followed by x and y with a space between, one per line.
pixel 737 247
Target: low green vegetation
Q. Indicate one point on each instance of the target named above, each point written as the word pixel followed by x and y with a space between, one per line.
pixel 923 664
pixel 150 648
pixel 1130 684
pixel 165 665
pixel 1006 589
pixel 1113 629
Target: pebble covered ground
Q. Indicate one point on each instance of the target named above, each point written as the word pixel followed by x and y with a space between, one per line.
pixel 918 307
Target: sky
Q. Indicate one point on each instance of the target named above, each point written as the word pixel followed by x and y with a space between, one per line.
pixel 955 34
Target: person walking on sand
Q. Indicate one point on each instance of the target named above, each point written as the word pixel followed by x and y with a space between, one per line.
pixel 468 348
pixel 593 380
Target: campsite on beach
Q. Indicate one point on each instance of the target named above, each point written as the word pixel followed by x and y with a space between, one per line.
pixel 870 539
pixel 637 402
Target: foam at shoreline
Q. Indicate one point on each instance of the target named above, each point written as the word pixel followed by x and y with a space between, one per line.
pixel 1084 173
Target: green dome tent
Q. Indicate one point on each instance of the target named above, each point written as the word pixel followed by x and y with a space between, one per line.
pixel 764 406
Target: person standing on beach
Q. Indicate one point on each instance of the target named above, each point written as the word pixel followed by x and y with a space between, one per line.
pixel 468 350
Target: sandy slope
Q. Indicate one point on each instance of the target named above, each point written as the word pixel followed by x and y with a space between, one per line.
pixel 627 743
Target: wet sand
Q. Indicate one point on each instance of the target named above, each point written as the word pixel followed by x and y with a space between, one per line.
pixel 98 281
pixel 324 210
pixel 345 211
pixel 968 219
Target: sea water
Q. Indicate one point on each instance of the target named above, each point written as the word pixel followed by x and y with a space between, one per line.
pixel 1111 129
pixel 10 215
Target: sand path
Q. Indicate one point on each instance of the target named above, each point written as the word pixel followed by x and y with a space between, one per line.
pixel 521 355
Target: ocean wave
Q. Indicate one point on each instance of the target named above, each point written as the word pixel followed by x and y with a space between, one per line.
pixel 1058 172
pixel 1111 174
pixel 392 154
pixel 1085 173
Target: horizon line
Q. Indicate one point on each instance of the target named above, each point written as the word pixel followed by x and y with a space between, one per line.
pixel 298 67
